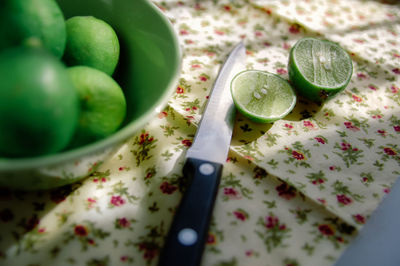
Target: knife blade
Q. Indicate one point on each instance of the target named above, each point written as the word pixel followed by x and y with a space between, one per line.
pixel 185 242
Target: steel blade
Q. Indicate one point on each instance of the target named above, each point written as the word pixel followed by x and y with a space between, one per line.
pixel 214 134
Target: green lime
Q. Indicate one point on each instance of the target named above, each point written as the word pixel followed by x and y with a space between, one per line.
pixel 319 69
pixel 262 96
pixel 32 22
pixel 91 42
pixel 103 105
pixel 39 106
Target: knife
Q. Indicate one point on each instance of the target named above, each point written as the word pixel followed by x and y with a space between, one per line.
pixel 203 167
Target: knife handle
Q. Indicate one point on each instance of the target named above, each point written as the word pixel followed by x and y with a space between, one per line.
pixel 188 233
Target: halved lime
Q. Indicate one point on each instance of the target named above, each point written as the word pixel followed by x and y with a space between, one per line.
pixel 319 69
pixel 262 96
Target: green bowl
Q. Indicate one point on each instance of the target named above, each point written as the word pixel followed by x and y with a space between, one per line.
pixel 148 72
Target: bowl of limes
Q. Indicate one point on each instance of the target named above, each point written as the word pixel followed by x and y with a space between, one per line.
pixel 78 78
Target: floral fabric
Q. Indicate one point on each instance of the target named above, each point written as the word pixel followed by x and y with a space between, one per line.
pixel 295 192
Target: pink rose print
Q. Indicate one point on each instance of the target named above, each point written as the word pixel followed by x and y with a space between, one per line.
pixel 249 253
pixel 326 229
pixel 149 249
pixel 32 223
pixel 258 33
pixel 162 115
pixel 308 124
pixel 183 32
pixel 167 188
pixel 389 151
pixel 289 126
pixel 91 202
pixel 281 71
pixel 356 98
pixel 396 71
pixel 286 46
pixel 294 28
pixel 298 155
pixel 231 193
pixel 240 215
pixel 211 239
pixel 180 90
pixel 382 132
pixel 345 146
pixel 187 142
pixel 117 201
pixel 271 221
pixel 203 77
pixel 286 191
pixel 343 199
pixel 361 76
pixel 144 137
pixel 360 219
pixel 80 230
pixel 123 222
pixel 320 140
pixel 323 201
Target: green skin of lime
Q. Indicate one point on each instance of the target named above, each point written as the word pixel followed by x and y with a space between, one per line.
pixel 103 104
pixel 39 106
pixel 33 22
pixel 91 42
pixel 308 90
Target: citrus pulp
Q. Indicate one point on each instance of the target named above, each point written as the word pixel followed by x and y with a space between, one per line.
pixel 262 96
pixel 319 69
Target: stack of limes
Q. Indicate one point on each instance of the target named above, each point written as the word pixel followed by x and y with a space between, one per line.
pixel 318 70
pixel 56 84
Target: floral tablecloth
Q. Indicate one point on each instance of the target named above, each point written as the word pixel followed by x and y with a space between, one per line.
pixel 295 192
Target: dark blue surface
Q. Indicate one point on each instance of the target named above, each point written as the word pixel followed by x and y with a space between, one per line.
pixel 378 244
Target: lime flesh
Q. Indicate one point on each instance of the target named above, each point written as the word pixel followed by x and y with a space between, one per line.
pixel 319 69
pixel 262 96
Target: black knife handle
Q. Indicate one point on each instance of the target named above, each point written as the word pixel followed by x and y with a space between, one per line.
pixel 188 233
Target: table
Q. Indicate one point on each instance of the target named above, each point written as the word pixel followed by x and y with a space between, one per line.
pixel 295 192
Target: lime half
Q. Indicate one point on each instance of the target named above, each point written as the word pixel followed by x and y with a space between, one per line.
pixel 319 69
pixel 262 96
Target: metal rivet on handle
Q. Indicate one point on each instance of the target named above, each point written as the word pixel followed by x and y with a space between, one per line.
pixel 187 237
pixel 206 169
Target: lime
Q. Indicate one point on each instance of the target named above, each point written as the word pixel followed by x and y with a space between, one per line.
pixel 39 105
pixel 91 42
pixel 319 69
pixel 262 96
pixel 103 105
pixel 33 21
